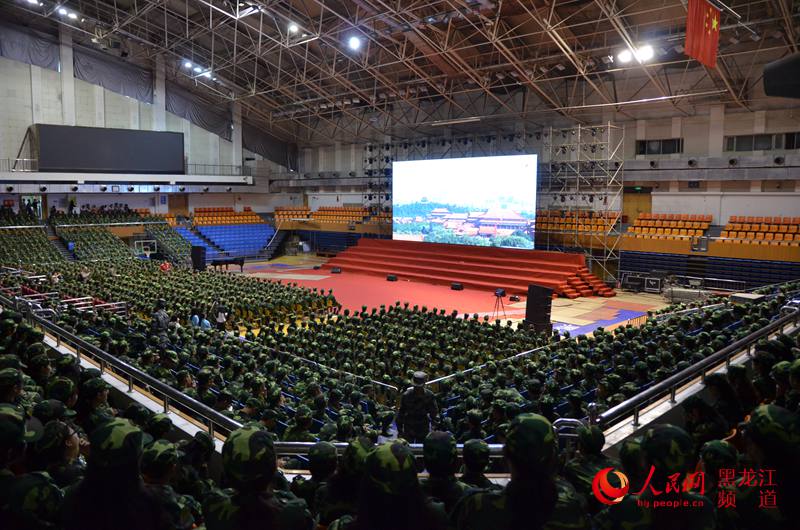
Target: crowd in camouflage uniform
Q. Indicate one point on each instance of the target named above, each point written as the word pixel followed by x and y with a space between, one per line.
pixel 67 451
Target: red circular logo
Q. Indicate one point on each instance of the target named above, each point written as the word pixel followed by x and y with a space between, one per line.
pixel 604 491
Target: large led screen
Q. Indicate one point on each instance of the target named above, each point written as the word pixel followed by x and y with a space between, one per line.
pixel 486 201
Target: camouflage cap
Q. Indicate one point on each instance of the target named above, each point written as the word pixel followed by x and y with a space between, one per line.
pixel 8 360
pixel 116 442
pixel 39 360
pixel 60 388
pixel 530 440
pixel 93 387
pixel 476 453
pixel 137 413
pixel 204 442
pixel 718 454
pixel 354 457
pixel 439 452
pixel 794 370
pixel 248 455
pixel 669 448
pixel 773 427
pixel 158 457
pixel 302 413
pixel 52 409
pixel 10 377
pixel 322 452
pixel 158 425
pixel 13 427
pixel 390 468
pixel 419 378
pixel 591 439
pixel 631 453
pixel 54 435
pixel 780 371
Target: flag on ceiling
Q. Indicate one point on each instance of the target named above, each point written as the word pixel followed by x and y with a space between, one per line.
pixel 702 32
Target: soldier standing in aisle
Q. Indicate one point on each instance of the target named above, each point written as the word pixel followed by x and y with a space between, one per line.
pixel 418 409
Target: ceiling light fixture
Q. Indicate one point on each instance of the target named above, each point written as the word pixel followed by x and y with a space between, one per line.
pixel 625 56
pixel 644 53
pixel 62 11
pixel 187 64
pixel 197 69
pixel 73 16
pixel 293 28
pixel 354 43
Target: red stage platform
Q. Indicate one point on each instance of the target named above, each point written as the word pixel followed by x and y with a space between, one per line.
pixel 477 267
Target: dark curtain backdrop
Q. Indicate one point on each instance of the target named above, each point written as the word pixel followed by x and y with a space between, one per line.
pixel 184 104
pixel 113 74
pixel 28 46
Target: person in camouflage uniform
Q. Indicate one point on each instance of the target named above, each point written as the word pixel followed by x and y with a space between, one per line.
pixel 30 500
pixel 535 497
pixel 417 410
pixel 390 497
pixel 339 495
pixel 299 430
pixel 476 460
pixel 159 462
pixel 439 452
pixel 582 468
pixel 632 459
pixel 112 494
pixel 192 476
pixel 249 466
pixel 669 451
pixel 793 395
pixel 771 438
pixel 321 465
pixel 58 453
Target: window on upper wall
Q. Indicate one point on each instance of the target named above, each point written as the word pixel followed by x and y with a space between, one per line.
pixel 659 147
pixel 762 142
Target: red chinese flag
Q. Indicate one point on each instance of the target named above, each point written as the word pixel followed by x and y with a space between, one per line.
pixel 702 32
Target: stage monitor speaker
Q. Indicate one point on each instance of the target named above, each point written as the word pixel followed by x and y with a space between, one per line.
pixel 513 298
pixel 633 282
pixel 782 77
pixel 199 258
pixel 391 278
pixel 455 286
pixel 538 304
pixel 317 267
pixel 336 270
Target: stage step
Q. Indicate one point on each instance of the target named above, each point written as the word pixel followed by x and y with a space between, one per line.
pixel 474 267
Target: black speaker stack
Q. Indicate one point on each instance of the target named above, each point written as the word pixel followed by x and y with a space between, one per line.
pixel 336 270
pixel 391 277
pixel 198 258
pixel 537 308
pixel 455 286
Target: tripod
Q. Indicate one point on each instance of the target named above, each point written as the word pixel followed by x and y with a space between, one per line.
pixel 499 305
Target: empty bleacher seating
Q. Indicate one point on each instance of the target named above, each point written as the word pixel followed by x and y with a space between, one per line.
pixel 197 241
pixel 751 230
pixel 339 214
pixel 670 225
pixel 239 240
pixel 583 221
pixel 224 216
pixel 287 213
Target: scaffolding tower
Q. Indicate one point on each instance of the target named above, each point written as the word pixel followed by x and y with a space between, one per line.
pixel 580 194
pixel 377 169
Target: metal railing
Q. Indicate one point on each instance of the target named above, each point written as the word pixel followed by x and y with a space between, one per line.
pixel 19 164
pixel 214 421
pixel 670 385
pixel 219 170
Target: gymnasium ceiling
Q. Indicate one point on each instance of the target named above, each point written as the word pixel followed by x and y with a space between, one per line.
pixel 426 67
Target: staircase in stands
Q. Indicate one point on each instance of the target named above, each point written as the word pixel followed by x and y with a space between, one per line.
pixel 268 252
pixel 59 244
